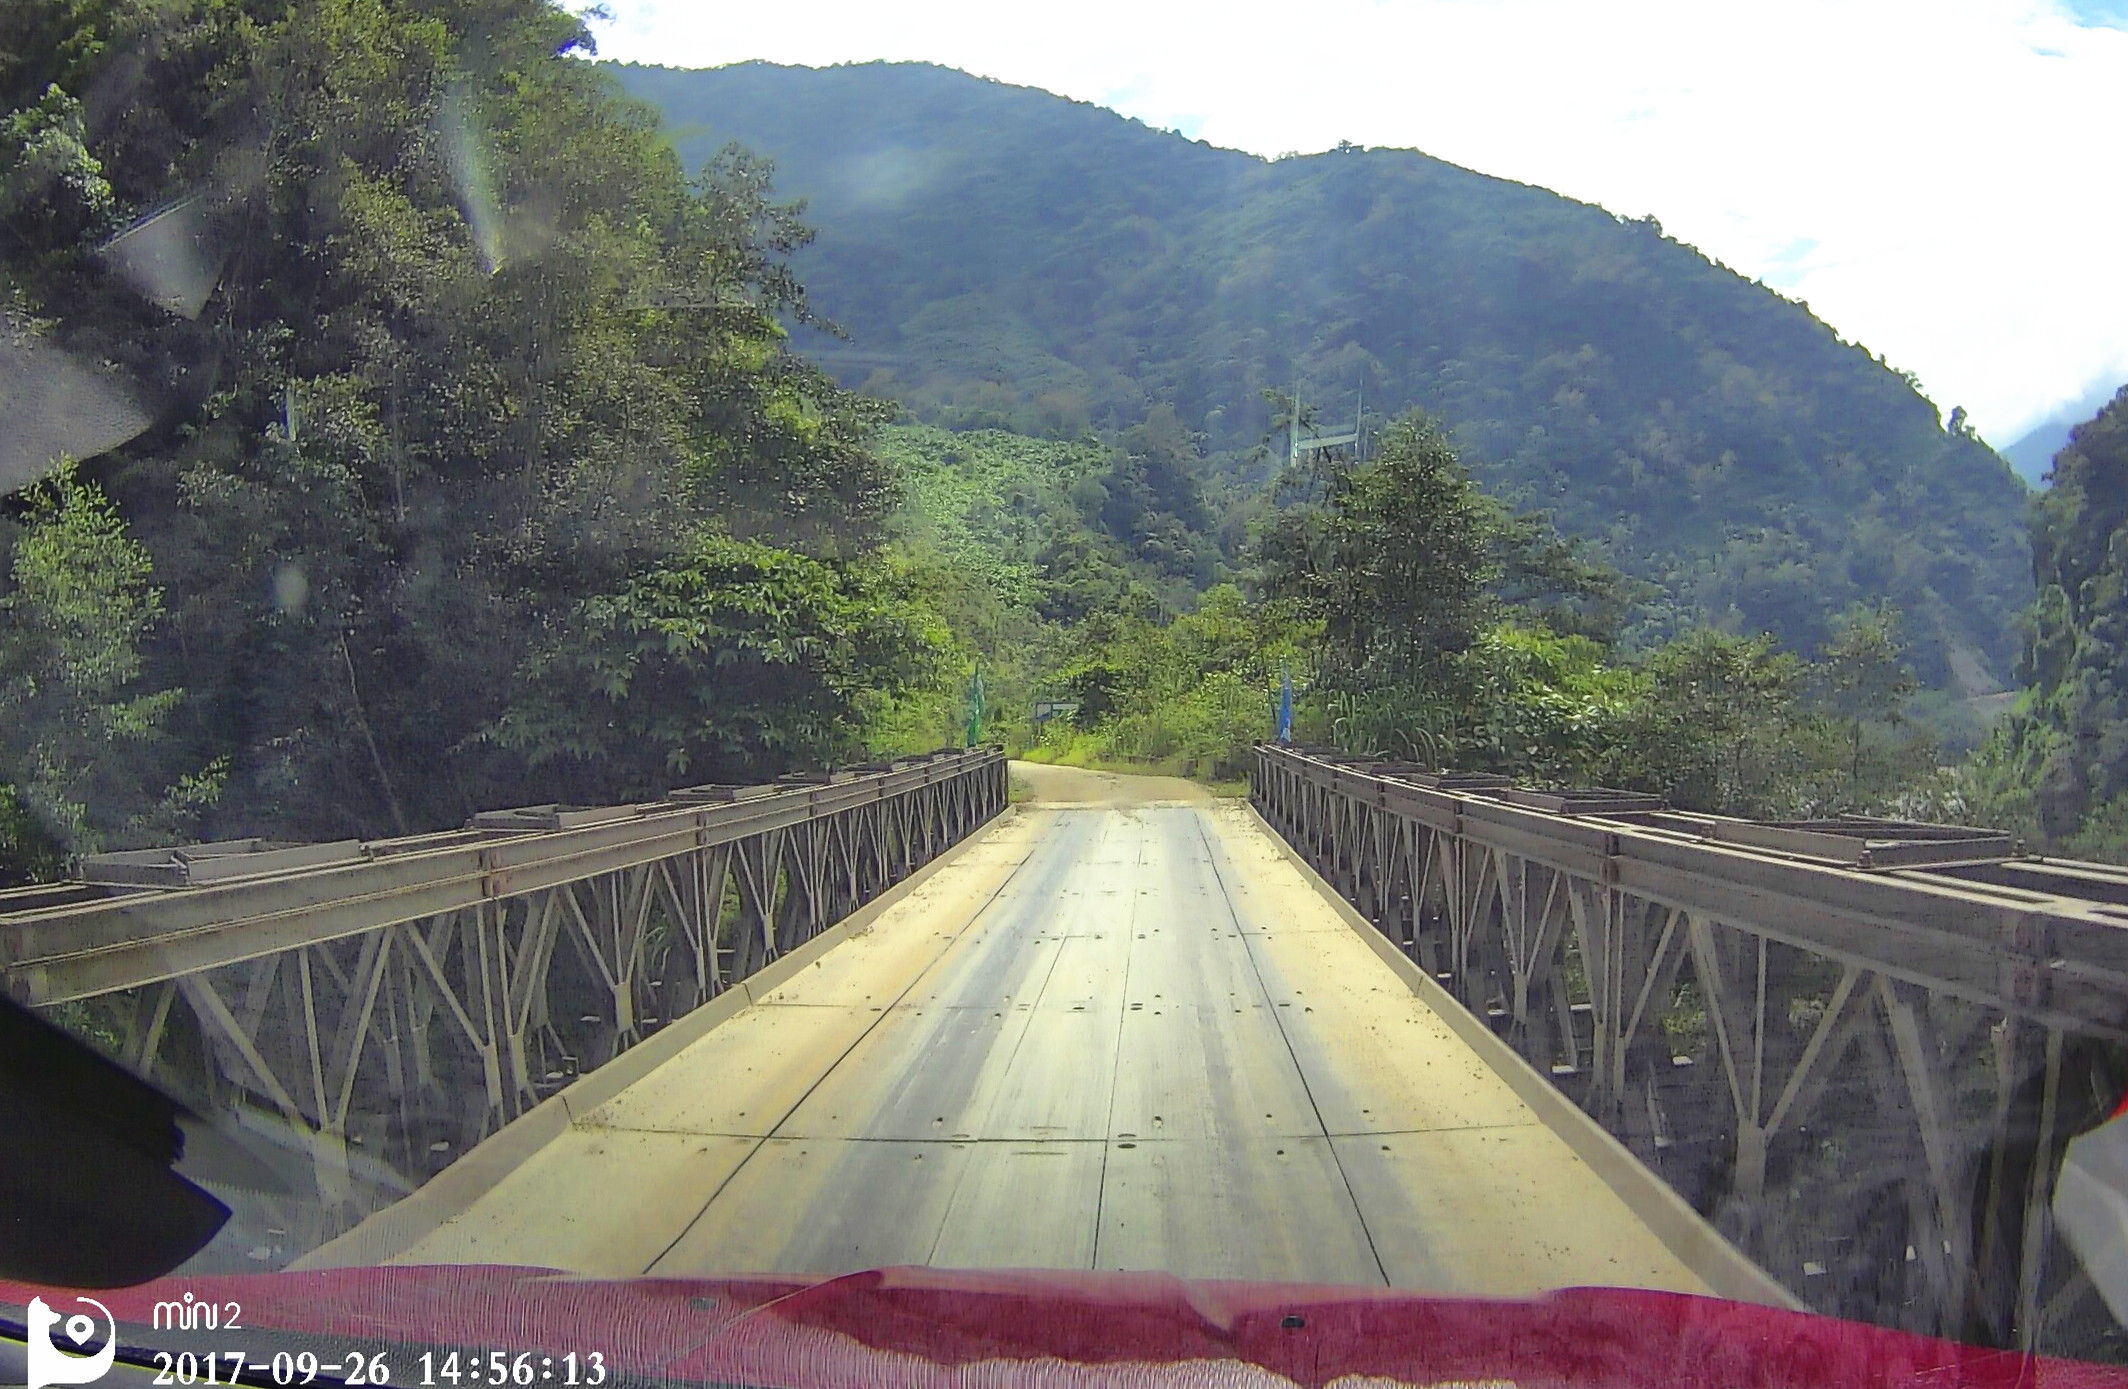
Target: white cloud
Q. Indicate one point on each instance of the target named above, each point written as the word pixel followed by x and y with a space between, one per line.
pixel 1936 178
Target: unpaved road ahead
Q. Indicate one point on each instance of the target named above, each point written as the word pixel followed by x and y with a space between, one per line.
pixel 1076 786
pixel 1118 1030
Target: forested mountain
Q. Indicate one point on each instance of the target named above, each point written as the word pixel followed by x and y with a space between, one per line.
pixel 2063 756
pixel 2032 454
pixel 473 450
pixel 1001 256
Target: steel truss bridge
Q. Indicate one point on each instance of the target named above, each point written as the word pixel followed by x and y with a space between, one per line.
pixel 1499 1039
pixel 391 1003
pixel 1890 1014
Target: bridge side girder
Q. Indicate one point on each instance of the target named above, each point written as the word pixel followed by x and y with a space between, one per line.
pixel 386 1015
pixel 1912 1010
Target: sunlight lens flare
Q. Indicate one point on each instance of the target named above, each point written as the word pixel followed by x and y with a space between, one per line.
pixel 465 150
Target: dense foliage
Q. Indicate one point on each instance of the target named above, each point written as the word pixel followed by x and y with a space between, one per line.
pixel 1002 256
pixel 83 728
pixel 1007 540
pixel 1454 633
pixel 2060 764
pixel 1419 617
pixel 486 473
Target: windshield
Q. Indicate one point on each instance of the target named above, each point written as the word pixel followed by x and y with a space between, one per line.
pixel 1167 695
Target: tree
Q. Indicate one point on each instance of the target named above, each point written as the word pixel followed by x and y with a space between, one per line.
pixel 1189 695
pixel 1404 563
pixel 1725 728
pixel 1391 556
pixel 1152 501
pixel 1863 675
pixel 1549 708
pixel 482 367
pixel 2062 757
pixel 735 656
pixel 53 193
pixel 80 765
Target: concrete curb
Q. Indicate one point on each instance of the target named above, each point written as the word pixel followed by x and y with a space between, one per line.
pixel 1668 1215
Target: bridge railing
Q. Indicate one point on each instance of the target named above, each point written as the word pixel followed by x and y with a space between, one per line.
pixel 1857 1045
pixel 379 1007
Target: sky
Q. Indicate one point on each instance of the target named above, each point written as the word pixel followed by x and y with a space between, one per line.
pixel 1940 180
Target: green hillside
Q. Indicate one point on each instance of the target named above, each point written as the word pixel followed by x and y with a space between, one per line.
pixel 1012 537
pixel 2060 763
pixel 1004 257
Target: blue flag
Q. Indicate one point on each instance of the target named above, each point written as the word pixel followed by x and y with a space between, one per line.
pixel 1285 706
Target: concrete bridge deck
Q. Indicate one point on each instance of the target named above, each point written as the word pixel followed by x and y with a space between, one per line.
pixel 1100 1034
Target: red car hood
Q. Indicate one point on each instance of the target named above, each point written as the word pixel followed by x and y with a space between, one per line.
pixel 916 1326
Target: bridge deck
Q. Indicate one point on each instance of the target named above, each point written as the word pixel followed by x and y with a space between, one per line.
pixel 1107 1037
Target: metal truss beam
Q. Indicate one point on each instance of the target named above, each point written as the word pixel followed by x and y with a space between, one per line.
pixel 384 1006
pixel 1843 1040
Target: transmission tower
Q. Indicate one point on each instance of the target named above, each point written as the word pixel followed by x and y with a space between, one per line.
pixel 1300 446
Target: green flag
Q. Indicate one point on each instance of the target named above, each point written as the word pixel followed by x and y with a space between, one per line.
pixel 975 707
